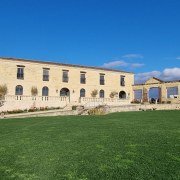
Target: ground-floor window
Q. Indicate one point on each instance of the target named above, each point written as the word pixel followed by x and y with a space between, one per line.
pixel 82 92
pixel 101 93
pixel 19 90
pixel 45 91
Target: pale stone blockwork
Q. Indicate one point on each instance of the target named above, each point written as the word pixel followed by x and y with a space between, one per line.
pixel 163 86
pixel 33 76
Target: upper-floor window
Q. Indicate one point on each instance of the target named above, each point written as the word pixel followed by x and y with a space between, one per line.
pixel 20 72
pixel 122 80
pixel 45 74
pixel 83 78
pixel 65 77
pixel 102 80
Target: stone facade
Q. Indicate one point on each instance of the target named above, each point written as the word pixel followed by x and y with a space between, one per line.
pixel 163 86
pixel 28 73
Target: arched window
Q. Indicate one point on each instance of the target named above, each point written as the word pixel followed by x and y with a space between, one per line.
pixel 101 93
pixel 122 95
pixel 82 93
pixel 45 91
pixel 19 90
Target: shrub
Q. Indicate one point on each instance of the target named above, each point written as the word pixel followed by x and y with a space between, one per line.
pixel 3 90
pixel 94 93
pixel 97 111
pixel 15 111
pixel 113 94
pixel 34 91
pixel 136 101
pixel 74 108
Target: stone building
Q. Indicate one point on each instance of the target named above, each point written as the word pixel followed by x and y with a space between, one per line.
pixel 168 91
pixel 38 84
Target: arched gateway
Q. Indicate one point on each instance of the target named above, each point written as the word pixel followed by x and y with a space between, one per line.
pixel 122 95
pixel 65 92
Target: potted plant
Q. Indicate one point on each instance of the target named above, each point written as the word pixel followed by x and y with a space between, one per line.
pixel 34 91
pixel 94 93
pixel 113 94
pixel 3 91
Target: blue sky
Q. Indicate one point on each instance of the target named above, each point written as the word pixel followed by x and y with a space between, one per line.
pixel 134 35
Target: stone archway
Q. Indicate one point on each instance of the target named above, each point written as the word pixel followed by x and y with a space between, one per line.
pixel 65 92
pixel 154 94
pixel 122 95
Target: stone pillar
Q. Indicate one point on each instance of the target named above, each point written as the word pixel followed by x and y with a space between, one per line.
pixel 163 94
pixel 145 94
pixel 160 94
pixel 179 90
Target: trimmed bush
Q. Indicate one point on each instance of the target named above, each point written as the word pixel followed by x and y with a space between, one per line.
pixel 34 91
pixel 94 93
pixel 113 94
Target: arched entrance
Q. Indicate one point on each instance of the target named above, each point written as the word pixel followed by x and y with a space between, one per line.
pixel 122 95
pixel 65 92
pixel 154 94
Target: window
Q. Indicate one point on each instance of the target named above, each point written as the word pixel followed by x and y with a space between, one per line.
pixel 19 90
pixel 20 73
pixel 101 93
pixel 45 91
pixel 102 81
pixel 82 93
pixel 83 78
pixel 65 77
pixel 45 74
pixel 171 91
pixel 122 80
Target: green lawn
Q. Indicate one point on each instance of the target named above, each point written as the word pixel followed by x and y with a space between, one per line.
pixel 132 145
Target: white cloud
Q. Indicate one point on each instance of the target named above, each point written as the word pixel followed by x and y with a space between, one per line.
pixel 178 57
pixel 167 74
pixel 136 65
pixel 170 74
pixel 121 63
pixel 114 64
pixel 142 77
pixel 133 56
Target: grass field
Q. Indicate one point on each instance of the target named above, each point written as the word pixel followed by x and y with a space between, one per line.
pixel 133 145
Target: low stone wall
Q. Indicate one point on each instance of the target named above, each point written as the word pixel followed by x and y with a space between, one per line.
pixel 110 109
pixel 41 114
pixel 93 102
pixel 144 107
pixel 27 102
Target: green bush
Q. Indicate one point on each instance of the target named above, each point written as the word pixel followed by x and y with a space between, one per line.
pixel 97 111
pixel 74 108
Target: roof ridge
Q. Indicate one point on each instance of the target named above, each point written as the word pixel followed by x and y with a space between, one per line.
pixel 65 64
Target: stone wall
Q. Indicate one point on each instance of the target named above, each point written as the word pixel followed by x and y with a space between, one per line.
pixel 33 76
pixel 27 102
pixel 143 107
